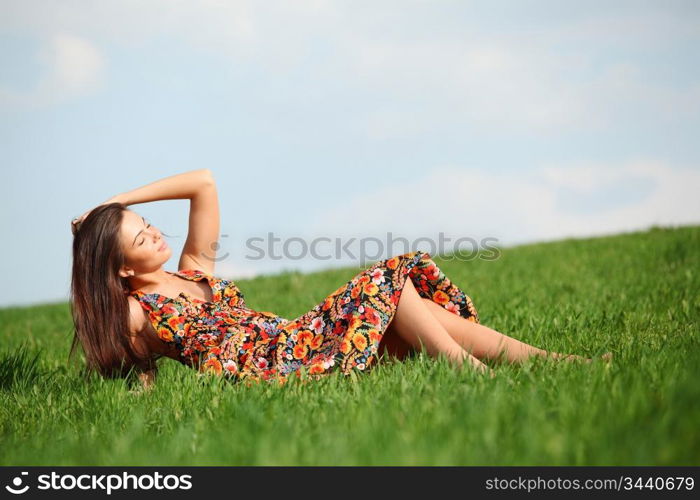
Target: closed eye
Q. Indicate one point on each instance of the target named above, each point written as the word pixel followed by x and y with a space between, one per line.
pixel 144 240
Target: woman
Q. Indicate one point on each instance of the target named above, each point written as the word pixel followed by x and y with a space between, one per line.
pixel 128 311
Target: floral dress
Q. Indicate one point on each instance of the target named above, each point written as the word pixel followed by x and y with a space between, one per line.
pixel 342 332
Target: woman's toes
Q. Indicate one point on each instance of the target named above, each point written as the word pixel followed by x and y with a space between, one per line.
pixel 576 357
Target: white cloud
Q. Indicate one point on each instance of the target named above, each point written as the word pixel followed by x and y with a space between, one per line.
pixel 76 64
pixel 72 67
pixel 516 207
pixel 510 83
pixel 221 26
pixel 595 73
pixel 535 77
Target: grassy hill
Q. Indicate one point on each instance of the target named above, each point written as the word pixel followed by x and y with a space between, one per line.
pixel 635 294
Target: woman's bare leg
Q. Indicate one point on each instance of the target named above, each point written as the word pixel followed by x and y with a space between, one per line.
pixel 416 327
pixel 486 343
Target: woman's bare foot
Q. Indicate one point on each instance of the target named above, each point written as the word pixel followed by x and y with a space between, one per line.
pixel 575 357
pixel 567 357
pixel 607 357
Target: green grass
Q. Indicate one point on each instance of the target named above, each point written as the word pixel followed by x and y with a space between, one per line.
pixel 635 294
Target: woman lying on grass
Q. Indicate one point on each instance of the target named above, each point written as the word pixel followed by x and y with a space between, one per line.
pixel 128 311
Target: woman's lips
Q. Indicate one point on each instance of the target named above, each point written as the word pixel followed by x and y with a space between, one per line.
pixel 163 246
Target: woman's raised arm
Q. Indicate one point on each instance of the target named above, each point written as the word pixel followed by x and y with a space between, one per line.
pixel 176 187
pixel 199 187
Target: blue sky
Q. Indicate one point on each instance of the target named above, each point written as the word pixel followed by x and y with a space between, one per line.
pixel 521 121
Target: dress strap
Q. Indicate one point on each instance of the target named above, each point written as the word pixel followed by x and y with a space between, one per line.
pixel 192 274
pixel 144 299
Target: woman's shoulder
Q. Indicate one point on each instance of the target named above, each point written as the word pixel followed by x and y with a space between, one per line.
pixel 139 326
pixel 138 320
pixel 142 335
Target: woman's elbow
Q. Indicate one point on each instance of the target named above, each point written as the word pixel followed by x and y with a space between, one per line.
pixel 148 378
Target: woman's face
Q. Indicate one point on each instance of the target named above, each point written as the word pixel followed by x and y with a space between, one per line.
pixel 143 246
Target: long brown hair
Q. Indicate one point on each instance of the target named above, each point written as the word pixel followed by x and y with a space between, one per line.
pixel 98 297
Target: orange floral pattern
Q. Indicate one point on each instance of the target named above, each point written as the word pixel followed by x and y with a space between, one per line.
pixel 225 337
